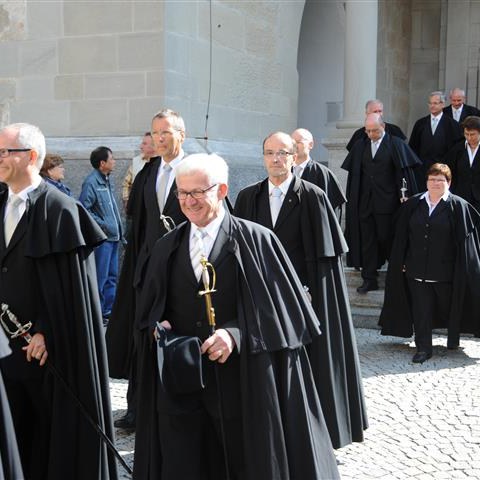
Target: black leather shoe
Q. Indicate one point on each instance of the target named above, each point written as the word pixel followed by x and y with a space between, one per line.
pixel 367 286
pixel 420 357
pixel 126 423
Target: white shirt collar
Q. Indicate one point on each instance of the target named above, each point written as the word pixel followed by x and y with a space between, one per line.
pixel 210 231
pixel 426 196
pixel 438 117
pixel 23 194
pixel 283 186
pixel 173 163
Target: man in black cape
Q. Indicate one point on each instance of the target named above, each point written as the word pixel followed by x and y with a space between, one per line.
pixel 10 465
pixel 149 222
pixel 433 136
pixel 272 417
pixel 376 169
pixel 374 106
pixel 460 302
pixel 314 172
pixel 48 278
pixel 311 235
pixel 464 162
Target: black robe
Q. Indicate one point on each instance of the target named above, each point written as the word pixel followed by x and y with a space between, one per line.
pixel 360 134
pixel 396 317
pixel 333 355
pixel 59 237
pixel 143 234
pixel 465 177
pixel 283 429
pixel 405 162
pixel 323 177
pixel 10 465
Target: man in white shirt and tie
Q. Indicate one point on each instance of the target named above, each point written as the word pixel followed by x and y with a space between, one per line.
pixel 434 135
pixel 154 210
pixel 377 167
pixel 458 109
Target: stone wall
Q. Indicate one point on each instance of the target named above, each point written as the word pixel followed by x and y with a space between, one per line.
pixel 88 68
pixel 427 49
pixel 393 59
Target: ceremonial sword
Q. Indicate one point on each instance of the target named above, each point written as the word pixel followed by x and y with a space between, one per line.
pixel 22 331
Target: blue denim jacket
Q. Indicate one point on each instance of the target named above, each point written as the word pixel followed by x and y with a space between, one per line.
pixel 97 197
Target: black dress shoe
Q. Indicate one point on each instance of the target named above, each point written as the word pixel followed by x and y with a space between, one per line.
pixel 126 423
pixel 420 357
pixel 367 286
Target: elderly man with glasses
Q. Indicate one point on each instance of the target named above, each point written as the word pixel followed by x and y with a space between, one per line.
pixel 48 279
pixel 243 422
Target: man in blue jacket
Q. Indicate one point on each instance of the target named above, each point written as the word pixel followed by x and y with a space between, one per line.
pixel 97 197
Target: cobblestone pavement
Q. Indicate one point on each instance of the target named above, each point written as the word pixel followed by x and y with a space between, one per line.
pixel 424 419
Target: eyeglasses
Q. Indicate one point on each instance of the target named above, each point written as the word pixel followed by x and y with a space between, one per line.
pixel 436 180
pixel 280 154
pixel 196 194
pixel 5 152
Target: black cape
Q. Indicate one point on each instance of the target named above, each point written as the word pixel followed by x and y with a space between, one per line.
pixel 119 335
pixel 323 177
pixel 406 163
pixel 333 355
pixel 396 317
pixel 60 238
pixel 10 464
pixel 284 432
pixel 360 134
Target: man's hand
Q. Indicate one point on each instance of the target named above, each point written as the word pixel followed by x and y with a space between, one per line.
pixel 36 349
pixel 219 346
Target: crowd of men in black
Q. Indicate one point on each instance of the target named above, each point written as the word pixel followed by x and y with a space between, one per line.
pixel 271 384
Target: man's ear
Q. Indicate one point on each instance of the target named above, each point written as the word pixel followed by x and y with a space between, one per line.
pixel 222 190
pixel 33 157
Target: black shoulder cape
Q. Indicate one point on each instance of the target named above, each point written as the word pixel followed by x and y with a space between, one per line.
pixel 284 432
pixel 60 238
pixel 323 177
pixel 406 162
pixel 396 317
pixel 333 355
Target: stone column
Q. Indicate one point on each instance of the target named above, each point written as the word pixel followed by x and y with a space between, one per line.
pixel 360 74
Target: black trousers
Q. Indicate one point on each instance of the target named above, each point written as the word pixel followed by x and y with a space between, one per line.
pixel 429 300
pixel 191 447
pixel 376 235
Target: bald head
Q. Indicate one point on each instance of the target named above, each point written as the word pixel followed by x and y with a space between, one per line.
pixel 279 153
pixel 304 140
pixel 457 97
pixel 374 126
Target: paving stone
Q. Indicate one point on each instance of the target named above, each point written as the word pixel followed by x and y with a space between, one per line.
pixel 424 420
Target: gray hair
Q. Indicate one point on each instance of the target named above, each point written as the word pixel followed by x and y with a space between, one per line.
pixel 457 90
pixel 30 136
pixel 372 102
pixel 213 166
pixel 175 118
pixel 438 94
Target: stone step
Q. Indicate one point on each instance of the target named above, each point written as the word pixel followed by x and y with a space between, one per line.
pixel 365 308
